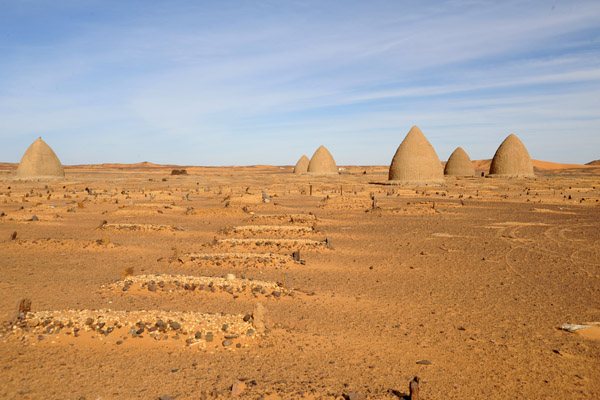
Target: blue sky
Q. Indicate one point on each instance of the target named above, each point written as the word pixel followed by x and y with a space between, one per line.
pixel 263 82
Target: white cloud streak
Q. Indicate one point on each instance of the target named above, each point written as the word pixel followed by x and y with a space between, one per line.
pixel 175 78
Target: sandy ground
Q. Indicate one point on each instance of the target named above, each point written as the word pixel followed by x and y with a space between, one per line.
pixel 465 286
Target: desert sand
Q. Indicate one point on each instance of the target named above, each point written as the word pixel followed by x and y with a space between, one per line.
pixel 259 283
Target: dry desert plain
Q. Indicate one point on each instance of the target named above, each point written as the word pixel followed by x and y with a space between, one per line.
pixel 145 284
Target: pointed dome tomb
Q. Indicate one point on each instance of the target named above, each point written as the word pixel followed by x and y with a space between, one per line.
pixel 511 160
pixel 39 161
pixel 322 163
pixel 302 165
pixel 459 164
pixel 415 161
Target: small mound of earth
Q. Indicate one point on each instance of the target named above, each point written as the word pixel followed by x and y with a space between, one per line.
pixel 421 208
pixel 136 212
pixel 244 260
pixel 140 227
pixel 50 243
pixel 31 218
pixel 236 287
pixel 131 328
pixel 154 206
pixel 291 218
pixel 245 198
pixel 281 231
pixel 345 203
pixel 215 211
pixel 275 244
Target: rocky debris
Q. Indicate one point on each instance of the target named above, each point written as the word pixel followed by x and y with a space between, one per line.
pixel 246 260
pixel 424 362
pixel 152 287
pixel 116 327
pixel 171 283
pixel 291 244
pixel 291 218
pixel 273 228
pixel 139 227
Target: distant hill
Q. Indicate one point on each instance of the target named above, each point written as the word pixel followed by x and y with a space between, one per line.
pixel 595 162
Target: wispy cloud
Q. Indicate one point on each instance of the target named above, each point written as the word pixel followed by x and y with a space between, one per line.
pixel 262 82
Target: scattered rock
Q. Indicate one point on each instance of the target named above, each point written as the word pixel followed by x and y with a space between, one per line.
pixel 161 325
pixel 227 342
pixel 237 388
pixel 355 396
pixel 424 362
